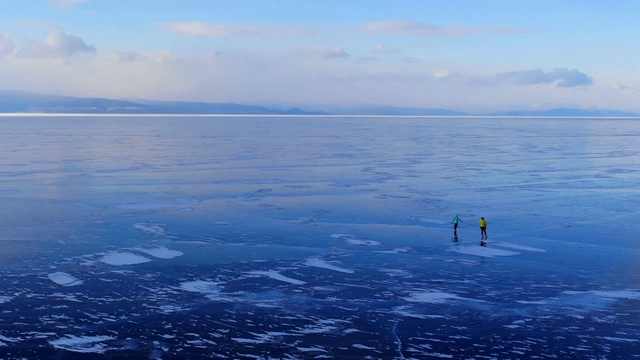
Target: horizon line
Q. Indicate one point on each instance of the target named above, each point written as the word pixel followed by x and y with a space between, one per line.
pixel 22 114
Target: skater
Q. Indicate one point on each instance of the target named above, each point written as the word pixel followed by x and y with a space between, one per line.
pixel 456 220
pixel 483 231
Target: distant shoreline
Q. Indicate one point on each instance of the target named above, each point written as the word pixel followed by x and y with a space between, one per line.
pixel 316 116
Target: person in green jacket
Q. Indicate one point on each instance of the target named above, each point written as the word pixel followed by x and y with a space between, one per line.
pixel 456 220
pixel 483 231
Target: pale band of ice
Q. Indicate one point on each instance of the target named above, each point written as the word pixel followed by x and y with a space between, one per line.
pixel 277 276
pixel 319 263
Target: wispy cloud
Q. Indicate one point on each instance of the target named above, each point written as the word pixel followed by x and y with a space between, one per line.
pixel 68 4
pixel 422 29
pixel 45 25
pixel 381 49
pixel 325 53
pixel 127 56
pixel 56 45
pixel 561 77
pixel 194 28
pixel 6 45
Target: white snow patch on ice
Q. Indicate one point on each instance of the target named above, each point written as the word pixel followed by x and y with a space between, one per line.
pixel 363 242
pixel 4 340
pixel 319 263
pixel 617 339
pixel 124 258
pixel 481 251
pixel 397 273
pixel 311 349
pixel 151 229
pixel 82 344
pixel 64 279
pixel 277 276
pixel 161 252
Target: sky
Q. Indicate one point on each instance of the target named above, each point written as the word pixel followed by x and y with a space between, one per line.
pixel 466 55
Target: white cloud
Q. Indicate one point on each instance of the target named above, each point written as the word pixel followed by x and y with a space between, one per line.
pixel 56 45
pixel 422 29
pixel 46 25
pixel 68 4
pixel 379 49
pixel 6 45
pixel 291 80
pixel 560 77
pixel 195 28
pixel 127 56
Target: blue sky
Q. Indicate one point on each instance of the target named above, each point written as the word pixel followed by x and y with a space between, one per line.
pixel 469 55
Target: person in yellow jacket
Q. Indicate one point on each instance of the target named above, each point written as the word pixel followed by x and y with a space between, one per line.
pixel 483 230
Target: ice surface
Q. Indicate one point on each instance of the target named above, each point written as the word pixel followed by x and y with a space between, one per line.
pixel 325 238
pixel 64 279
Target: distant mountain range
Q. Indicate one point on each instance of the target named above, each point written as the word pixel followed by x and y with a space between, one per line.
pixel 25 102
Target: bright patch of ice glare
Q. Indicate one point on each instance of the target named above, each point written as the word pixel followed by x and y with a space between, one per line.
pixel 123 258
pixel 83 344
pixel 319 263
pixel 64 279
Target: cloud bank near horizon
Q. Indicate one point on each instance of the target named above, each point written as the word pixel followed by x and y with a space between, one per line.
pixel 382 62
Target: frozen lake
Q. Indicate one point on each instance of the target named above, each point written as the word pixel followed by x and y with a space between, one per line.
pixel 318 238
